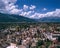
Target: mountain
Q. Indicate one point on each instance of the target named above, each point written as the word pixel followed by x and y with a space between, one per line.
pixel 17 18
pixel 14 18
pixel 49 19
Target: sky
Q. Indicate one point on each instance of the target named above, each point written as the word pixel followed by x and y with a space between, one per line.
pixel 31 8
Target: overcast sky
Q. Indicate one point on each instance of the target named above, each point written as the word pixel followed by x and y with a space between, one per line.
pixel 31 8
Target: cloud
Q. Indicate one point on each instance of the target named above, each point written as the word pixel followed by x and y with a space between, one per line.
pixel 9 1
pixel 44 9
pixel 26 11
pixel 10 7
pixel 26 14
pixel 2 5
pixel 25 7
pixel 53 13
pixel 48 14
pixel 35 15
pixel 32 7
pixel 15 11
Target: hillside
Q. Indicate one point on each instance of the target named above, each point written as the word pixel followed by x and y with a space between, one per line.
pixel 49 19
pixel 14 18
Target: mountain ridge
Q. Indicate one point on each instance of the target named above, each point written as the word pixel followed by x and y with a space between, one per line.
pixel 49 19
pixel 18 18
pixel 14 18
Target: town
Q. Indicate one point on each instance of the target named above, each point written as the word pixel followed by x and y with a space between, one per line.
pixel 41 35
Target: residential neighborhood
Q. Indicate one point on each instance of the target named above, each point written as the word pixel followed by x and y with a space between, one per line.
pixel 30 37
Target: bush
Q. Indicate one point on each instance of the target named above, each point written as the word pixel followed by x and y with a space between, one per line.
pixel 40 42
